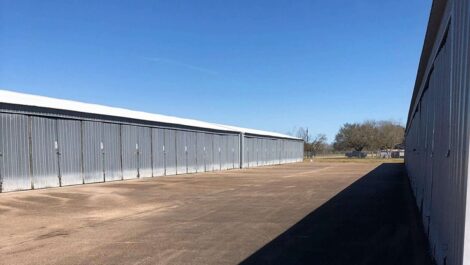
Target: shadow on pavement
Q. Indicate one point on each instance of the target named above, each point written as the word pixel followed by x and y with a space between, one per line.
pixel 373 221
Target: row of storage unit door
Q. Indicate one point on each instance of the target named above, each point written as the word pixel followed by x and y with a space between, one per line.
pixel 434 160
pixel 40 152
pixel 268 151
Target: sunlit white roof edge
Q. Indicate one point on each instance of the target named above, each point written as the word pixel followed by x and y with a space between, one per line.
pixel 17 98
pixel 259 132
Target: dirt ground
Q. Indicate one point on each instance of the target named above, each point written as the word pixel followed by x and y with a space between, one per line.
pixel 305 213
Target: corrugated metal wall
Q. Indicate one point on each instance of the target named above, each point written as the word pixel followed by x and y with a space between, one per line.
pixel 70 152
pixel 181 152
pixel 216 153
pixel 158 151
pixel 236 152
pixel 437 139
pixel 93 170
pixel 209 147
pixel 223 152
pixel 170 152
pixel 111 140
pixel 44 157
pixel 191 152
pixel 40 152
pixel 200 152
pixel 15 164
pixel 145 152
pixel 247 152
pixel 130 149
pixel 267 151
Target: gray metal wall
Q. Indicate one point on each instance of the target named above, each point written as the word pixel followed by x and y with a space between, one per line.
pixel 14 152
pixel 181 152
pixel 158 151
pixel 130 149
pixel 437 138
pixel 145 152
pixel 260 151
pixel 111 140
pixel 170 152
pixel 200 152
pixel 45 164
pixel 70 152
pixel 208 145
pixel 93 166
pixel 192 152
pixel 40 152
pixel 216 152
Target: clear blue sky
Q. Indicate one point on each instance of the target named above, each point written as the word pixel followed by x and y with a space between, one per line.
pixel 271 65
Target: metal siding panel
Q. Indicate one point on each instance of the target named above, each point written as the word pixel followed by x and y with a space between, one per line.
pixel 254 148
pixel 92 153
pixel 259 152
pixel 216 153
pixel 191 152
pixel 181 153
pixel 200 152
pixel 228 152
pixel 265 151
pixel 260 146
pixel 272 151
pixel 208 144
pixel 248 152
pixel 70 150
pixel 251 151
pixel 239 150
pixel 112 151
pixel 236 147
pixel 254 152
pixel 170 152
pixel 145 152
pixel 285 151
pixel 158 149
pixel 223 152
pixel 437 143
pixel 15 152
pixel 44 158
pixel 231 152
pixel 130 144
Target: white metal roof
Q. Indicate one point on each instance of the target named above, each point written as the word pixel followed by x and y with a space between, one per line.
pixel 61 104
pixel 258 132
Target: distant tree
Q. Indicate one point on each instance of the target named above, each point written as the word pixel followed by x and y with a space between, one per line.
pixel 369 135
pixel 303 134
pixel 390 134
pixel 354 135
pixel 319 144
pixel 312 145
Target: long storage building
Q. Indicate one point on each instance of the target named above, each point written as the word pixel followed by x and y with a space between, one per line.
pixel 47 142
pixel 437 133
